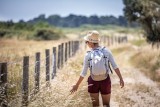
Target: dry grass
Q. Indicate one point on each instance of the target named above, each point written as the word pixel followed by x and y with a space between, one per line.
pixel 139 90
pixel 58 94
pixel 148 60
pixel 12 52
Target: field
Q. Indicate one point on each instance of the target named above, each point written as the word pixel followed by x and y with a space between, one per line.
pixel 138 61
pixel 139 89
pixel 13 51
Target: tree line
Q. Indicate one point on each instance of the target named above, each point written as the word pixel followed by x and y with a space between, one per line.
pixel 46 28
pixel 78 20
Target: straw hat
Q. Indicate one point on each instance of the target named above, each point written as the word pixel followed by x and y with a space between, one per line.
pixel 92 36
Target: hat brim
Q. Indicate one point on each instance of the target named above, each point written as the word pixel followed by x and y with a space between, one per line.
pixel 86 39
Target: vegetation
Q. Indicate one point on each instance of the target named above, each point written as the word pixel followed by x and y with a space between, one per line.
pixel 139 43
pixel 42 28
pixel 23 30
pixel 148 62
pixel 145 12
pixel 12 52
pixel 44 31
pixel 114 28
pixel 77 21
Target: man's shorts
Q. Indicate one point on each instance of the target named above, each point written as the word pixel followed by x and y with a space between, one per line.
pixel 103 86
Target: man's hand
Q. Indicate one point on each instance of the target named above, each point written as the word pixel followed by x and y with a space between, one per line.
pixel 74 89
pixel 121 83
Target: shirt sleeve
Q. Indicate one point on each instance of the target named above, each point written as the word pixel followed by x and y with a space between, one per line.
pixel 85 65
pixel 112 61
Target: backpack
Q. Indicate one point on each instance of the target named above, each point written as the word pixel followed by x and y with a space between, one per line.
pixel 99 64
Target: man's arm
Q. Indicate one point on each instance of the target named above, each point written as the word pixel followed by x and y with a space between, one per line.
pixel 120 77
pixel 75 87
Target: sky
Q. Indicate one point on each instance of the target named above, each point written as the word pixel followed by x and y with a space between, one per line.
pixel 28 9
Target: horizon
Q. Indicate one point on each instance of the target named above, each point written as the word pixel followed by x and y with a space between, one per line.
pixel 58 15
pixel 28 9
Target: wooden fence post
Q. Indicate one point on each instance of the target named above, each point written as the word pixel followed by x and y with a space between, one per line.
pixel 72 52
pixel 112 42
pixel 47 65
pixel 73 44
pixel 116 40
pixel 62 54
pixel 103 39
pixel 59 56
pixel 25 81
pixel 73 48
pixel 77 46
pixel 3 84
pixel 119 41
pixel 54 63
pixel 69 49
pixel 37 71
pixel 108 39
pixel 126 39
pixel 66 51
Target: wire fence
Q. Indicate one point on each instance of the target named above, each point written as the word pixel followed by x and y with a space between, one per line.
pixel 20 81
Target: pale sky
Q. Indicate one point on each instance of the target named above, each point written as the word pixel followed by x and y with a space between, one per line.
pixel 28 9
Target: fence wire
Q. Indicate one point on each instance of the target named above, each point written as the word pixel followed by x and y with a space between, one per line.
pixel 15 74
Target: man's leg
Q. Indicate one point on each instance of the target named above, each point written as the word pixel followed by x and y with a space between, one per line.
pixel 95 99
pixel 106 100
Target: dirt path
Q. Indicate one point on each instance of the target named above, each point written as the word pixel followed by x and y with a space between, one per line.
pixel 139 91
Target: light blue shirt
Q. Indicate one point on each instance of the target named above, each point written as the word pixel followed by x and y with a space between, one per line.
pixel 107 53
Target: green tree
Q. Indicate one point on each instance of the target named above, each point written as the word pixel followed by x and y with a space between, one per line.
pixel 122 21
pixel 93 20
pixel 54 20
pixel 147 13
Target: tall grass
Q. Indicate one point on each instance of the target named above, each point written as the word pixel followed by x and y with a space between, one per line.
pixel 12 52
pixel 58 94
pixel 148 60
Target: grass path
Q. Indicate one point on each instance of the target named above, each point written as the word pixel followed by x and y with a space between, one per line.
pixel 139 91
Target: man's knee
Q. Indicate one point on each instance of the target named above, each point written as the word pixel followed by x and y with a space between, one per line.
pixel 106 105
pixel 95 103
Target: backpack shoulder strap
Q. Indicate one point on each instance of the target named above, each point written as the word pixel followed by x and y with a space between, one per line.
pixel 108 60
pixel 103 47
pixel 88 51
pixel 102 50
pixel 89 60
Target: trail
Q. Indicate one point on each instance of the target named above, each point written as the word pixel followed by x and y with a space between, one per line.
pixel 139 90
